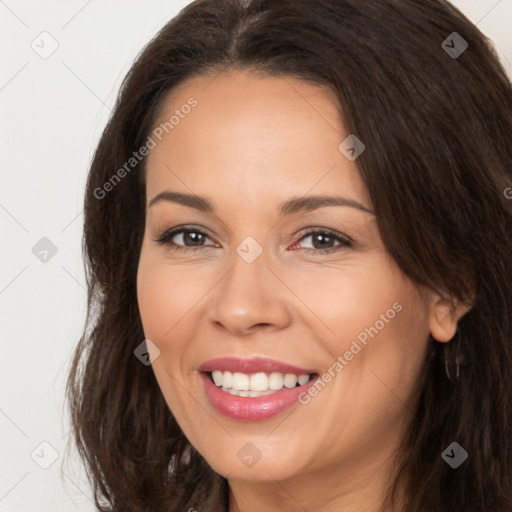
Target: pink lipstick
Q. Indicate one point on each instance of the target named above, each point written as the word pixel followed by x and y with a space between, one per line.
pixel 254 389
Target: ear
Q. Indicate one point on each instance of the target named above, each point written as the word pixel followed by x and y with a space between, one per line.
pixel 445 314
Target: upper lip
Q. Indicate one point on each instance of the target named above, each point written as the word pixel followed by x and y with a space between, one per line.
pixel 255 365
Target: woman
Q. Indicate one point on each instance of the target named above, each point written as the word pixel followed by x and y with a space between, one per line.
pixel 297 235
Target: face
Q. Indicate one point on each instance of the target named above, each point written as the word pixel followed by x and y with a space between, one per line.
pixel 313 336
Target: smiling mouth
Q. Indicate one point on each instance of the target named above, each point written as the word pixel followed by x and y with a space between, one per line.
pixel 256 384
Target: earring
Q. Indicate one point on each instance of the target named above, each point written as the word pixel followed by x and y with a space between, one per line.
pixel 460 358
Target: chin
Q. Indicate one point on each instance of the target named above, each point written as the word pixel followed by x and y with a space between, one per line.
pixel 254 461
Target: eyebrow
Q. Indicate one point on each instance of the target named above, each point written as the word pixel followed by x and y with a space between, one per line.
pixel 289 207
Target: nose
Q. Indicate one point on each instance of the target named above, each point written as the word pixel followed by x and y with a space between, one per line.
pixel 250 297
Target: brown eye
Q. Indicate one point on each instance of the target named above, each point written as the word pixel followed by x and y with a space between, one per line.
pixel 185 239
pixel 322 241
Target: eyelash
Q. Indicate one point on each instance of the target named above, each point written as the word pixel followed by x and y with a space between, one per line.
pixel 164 239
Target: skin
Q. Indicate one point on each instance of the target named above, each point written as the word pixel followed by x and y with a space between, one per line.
pixel 251 143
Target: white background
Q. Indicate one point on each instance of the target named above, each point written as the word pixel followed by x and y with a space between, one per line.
pixel 53 111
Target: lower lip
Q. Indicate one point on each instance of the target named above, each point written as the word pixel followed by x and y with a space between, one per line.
pixel 252 408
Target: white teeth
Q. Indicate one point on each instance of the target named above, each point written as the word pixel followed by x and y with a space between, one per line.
pixel 259 393
pixel 240 381
pixel 290 380
pixel 227 380
pixel 217 377
pixel 256 384
pixel 247 393
pixel 276 381
pixel 303 379
pixel 224 379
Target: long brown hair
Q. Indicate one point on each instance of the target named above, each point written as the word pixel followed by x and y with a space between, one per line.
pixel 438 169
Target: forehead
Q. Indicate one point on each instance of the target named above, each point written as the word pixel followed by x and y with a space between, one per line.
pixel 253 134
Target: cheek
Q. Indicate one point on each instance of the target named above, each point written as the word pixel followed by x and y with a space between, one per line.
pixel 380 333
pixel 377 322
pixel 163 300
pixel 165 295
pixel 351 299
pixel 153 298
